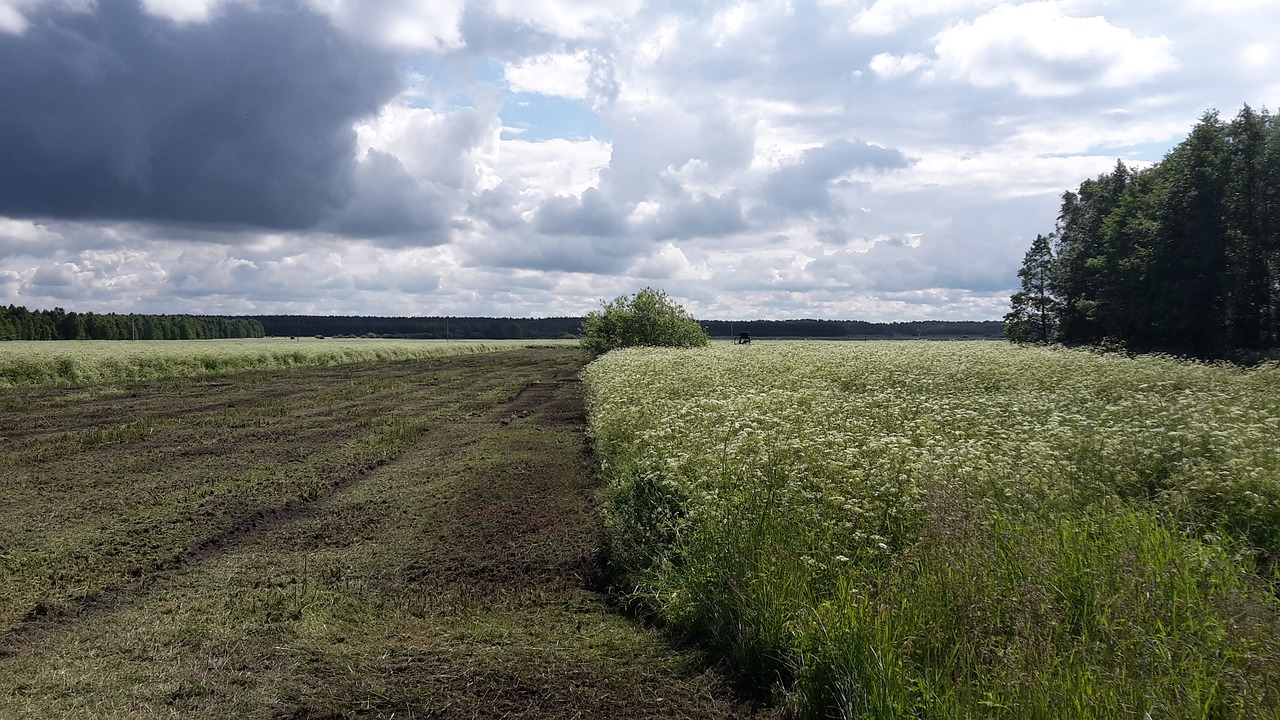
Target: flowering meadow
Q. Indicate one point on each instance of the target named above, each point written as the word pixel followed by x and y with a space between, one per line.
pixel 967 529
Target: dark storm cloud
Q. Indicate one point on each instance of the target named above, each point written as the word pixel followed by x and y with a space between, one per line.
pixel 244 120
pixel 391 204
pixel 802 186
pixel 418 204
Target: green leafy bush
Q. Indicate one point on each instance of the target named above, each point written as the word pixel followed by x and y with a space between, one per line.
pixel 648 318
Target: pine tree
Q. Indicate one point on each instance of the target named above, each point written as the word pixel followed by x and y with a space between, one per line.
pixel 1033 315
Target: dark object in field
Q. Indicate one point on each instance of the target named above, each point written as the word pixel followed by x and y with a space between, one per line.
pixel 743 339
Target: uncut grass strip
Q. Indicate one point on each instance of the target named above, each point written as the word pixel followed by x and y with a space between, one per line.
pixel 96 363
pixel 768 500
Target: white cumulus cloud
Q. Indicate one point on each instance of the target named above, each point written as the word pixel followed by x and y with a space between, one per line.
pixel 570 19
pixel 1042 52
pixel 181 11
pixel 430 25
pixel 888 65
pixel 560 74
pixel 887 16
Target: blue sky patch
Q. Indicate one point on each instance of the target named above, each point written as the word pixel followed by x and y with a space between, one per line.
pixel 543 117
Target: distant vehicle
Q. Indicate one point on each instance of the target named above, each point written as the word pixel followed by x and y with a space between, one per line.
pixel 742 339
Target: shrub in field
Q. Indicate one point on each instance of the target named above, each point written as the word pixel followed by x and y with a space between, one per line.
pixel 954 530
pixel 648 318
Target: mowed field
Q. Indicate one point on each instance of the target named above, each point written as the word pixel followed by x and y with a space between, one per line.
pixel 412 538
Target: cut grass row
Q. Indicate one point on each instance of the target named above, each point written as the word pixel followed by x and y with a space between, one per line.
pixel 92 363
pixel 954 530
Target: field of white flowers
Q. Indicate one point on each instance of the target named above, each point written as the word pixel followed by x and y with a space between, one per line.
pixel 96 362
pixel 953 529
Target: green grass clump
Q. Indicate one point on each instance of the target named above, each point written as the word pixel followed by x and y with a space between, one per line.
pixel 1108 614
pixel 953 530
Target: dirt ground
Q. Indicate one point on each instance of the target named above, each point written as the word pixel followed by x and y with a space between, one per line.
pixel 409 540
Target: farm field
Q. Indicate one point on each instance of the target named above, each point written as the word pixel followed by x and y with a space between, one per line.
pixel 953 530
pixel 96 362
pixel 413 538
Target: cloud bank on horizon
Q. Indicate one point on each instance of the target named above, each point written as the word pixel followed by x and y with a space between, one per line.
pixel 878 160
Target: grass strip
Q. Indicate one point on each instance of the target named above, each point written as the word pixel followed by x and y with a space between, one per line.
pixel 27 364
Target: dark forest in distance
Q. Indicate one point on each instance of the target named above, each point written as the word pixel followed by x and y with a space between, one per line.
pixel 486 328
pixel 18 323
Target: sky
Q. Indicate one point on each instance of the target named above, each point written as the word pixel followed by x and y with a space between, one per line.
pixel 883 160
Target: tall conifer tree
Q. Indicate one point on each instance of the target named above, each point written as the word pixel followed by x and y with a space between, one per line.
pixel 1032 318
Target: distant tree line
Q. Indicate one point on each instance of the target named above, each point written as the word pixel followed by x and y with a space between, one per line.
pixel 466 328
pixel 423 328
pixel 1182 257
pixel 18 323
pixel 854 329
